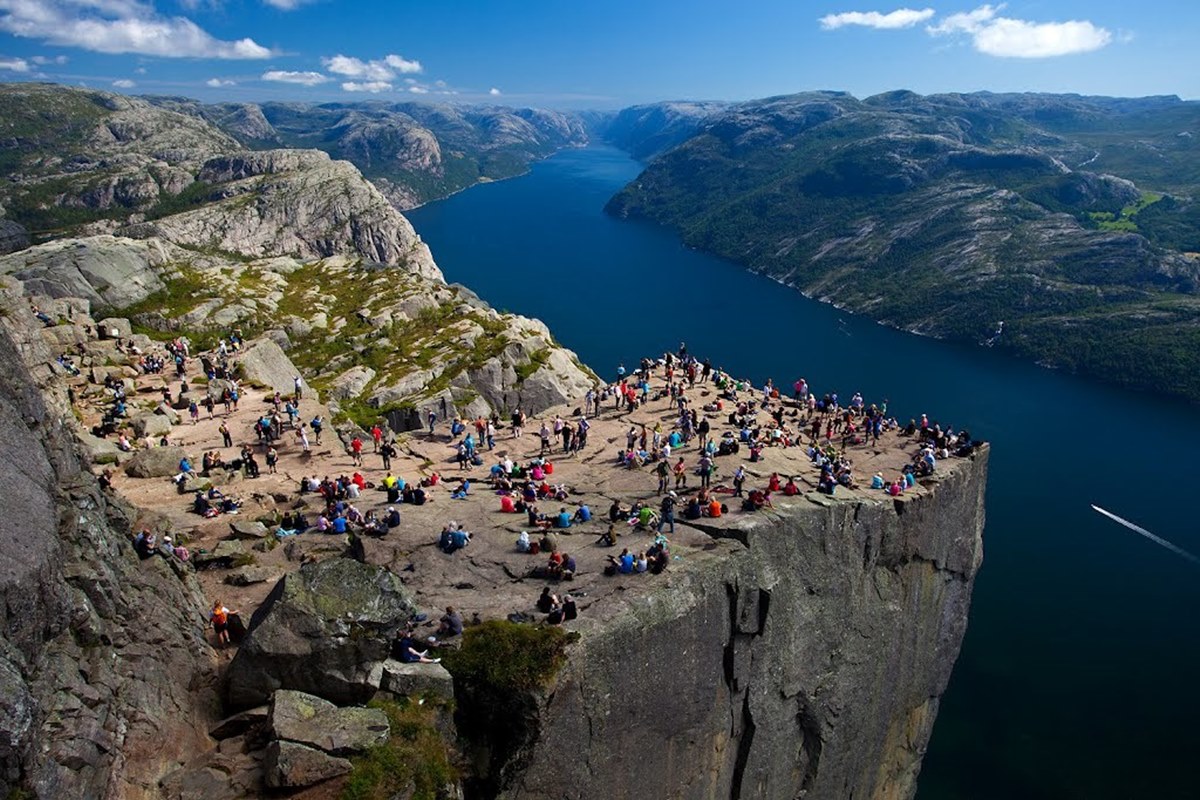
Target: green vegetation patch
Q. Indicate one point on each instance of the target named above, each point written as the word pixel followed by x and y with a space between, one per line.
pixel 506 657
pixel 416 755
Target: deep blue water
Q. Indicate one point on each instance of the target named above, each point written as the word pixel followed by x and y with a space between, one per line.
pixel 1077 676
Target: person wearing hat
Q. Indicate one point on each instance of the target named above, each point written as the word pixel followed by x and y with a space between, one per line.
pixel 391 518
pixel 668 512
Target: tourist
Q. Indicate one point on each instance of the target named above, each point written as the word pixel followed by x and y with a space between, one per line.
pixel 407 652
pixel 220 621
pixel 451 624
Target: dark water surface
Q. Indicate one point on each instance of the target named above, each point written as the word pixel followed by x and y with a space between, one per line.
pixel 1078 674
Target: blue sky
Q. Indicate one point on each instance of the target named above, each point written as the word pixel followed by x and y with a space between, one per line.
pixel 598 55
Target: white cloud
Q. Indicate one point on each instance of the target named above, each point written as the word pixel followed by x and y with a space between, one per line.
pixel 302 78
pixel 124 83
pixel 285 5
pixel 965 21
pixel 369 86
pixel 418 90
pixel 375 70
pixel 43 60
pixel 219 83
pixel 494 92
pixel 1017 38
pixel 140 71
pixel 118 26
pixel 900 18
pixel 403 65
pixel 14 64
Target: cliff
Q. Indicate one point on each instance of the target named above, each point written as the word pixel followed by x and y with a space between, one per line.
pixel 806 661
pixel 786 652
pixel 102 657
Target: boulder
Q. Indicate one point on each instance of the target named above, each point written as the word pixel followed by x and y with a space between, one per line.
pixel 165 410
pixel 264 363
pixel 155 462
pixel 315 547
pixel 321 630
pixel 416 680
pixel 62 337
pixel 351 383
pixel 248 529
pixel 313 722
pixel 152 425
pixel 114 328
pixel 220 556
pixel 240 723
pixel 290 766
pixel 216 388
pixel 248 575
pixel 100 451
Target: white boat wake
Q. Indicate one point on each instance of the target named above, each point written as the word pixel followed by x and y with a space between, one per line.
pixel 1142 531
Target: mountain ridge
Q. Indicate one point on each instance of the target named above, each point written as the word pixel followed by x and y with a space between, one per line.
pixel 949 214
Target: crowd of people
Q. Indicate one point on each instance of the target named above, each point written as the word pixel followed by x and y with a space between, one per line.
pixel 696 454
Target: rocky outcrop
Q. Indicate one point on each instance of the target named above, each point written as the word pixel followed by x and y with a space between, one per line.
pixel 297 203
pixel 313 722
pixel 263 363
pixel 322 631
pixel 156 462
pixel 99 653
pixel 12 237
pixel 807 663
pixel 107 271
pixel 288 765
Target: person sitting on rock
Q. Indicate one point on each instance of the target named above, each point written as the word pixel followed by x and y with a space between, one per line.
pixel 392 518
pixel 623 562
pixel 555 617
pixel 460 493
pixel 144 544
pixel 523 542
pixel 451 623
pixel 546 600
pixel 567 567
pixel 563 519
pixel 406 650
pixel 583 513
pixel 616 512
pixel 507 506
pixel 459 538
pixel 790 488
pixel 609 537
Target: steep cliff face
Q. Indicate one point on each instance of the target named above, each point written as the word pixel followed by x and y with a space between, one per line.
pixel 805 658
pixel 100 655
